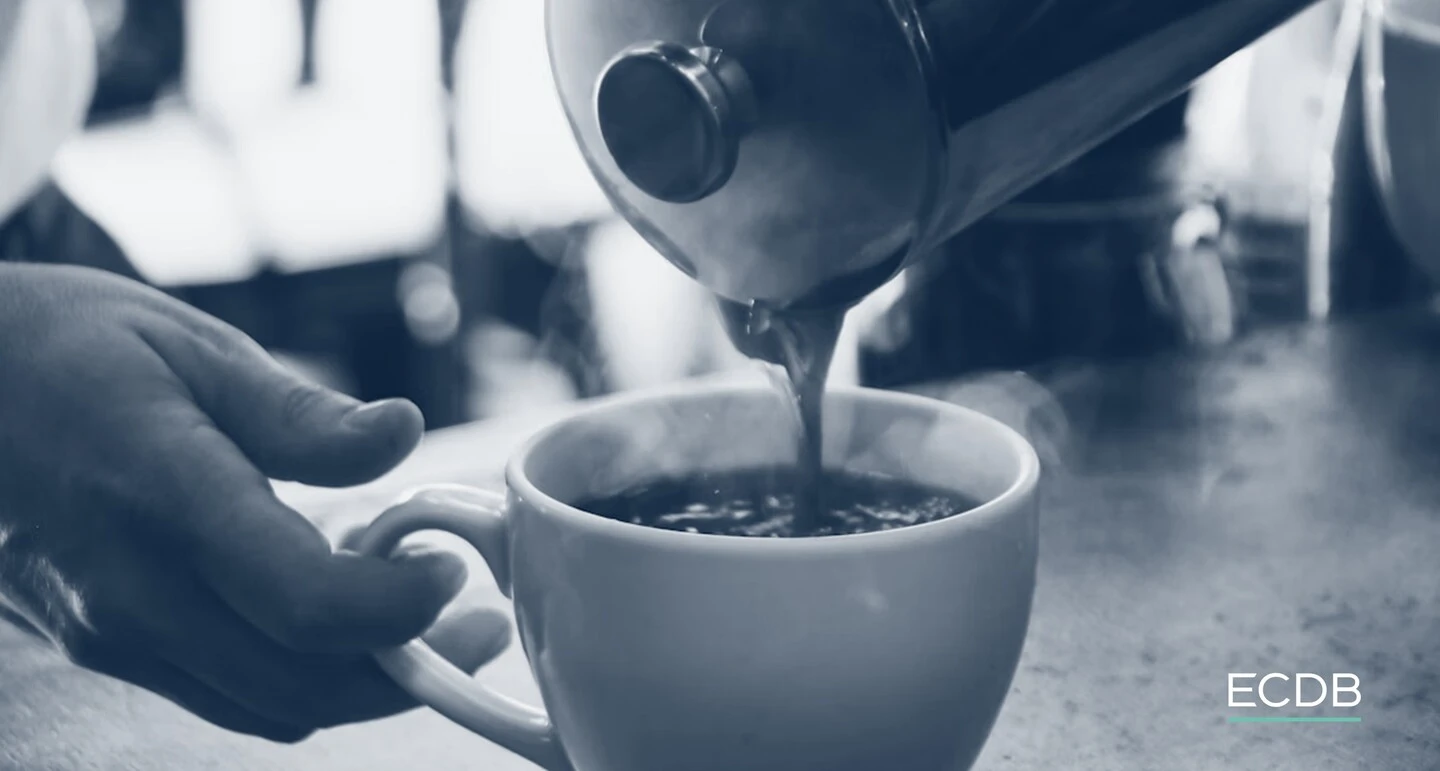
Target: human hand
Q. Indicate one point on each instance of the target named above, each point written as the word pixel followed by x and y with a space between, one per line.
pixel 139 531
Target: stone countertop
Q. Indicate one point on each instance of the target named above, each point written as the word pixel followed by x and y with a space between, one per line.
pixel 1271 506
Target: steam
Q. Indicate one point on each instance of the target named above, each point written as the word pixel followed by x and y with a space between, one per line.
pixel 653 325
pixel 642 324
pixel 1024 404
pixel 700 433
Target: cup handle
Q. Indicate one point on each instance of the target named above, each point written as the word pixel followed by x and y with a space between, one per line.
pixel 480 518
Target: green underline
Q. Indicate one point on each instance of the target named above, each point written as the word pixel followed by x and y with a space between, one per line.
pixel 1237 719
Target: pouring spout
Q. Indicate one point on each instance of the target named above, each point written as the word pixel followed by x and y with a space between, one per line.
pixel 796 339
pixel 753 337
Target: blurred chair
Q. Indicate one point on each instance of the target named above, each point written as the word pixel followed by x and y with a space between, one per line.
pixel 296 211
pixel 349 166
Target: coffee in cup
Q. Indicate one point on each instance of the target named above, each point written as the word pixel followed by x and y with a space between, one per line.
pixel 760 503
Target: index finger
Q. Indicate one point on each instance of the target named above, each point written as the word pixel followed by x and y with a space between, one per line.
pixel 276 569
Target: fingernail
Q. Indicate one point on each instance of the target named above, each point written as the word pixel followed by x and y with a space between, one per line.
pixel 492 630
pixel 470 637
pixel 365 413
pixel 447 568
pixel 365 416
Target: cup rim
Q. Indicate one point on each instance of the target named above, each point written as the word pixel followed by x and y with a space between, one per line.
pixel 1023 484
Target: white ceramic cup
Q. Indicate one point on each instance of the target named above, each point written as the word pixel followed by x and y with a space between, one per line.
pixel 659 650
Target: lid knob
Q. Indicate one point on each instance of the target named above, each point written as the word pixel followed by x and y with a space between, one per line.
pixel 672 118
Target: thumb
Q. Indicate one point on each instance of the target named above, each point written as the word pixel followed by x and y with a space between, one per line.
pixel 289 427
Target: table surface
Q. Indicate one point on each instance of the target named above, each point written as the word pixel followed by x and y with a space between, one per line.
pixel 1272 506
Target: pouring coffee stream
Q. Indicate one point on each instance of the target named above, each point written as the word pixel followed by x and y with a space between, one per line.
pixel 802 343
pixel 794 155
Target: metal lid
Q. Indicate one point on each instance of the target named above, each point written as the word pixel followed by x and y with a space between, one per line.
pixel 672 118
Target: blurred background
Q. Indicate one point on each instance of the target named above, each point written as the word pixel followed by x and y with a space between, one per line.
pixel 385 193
